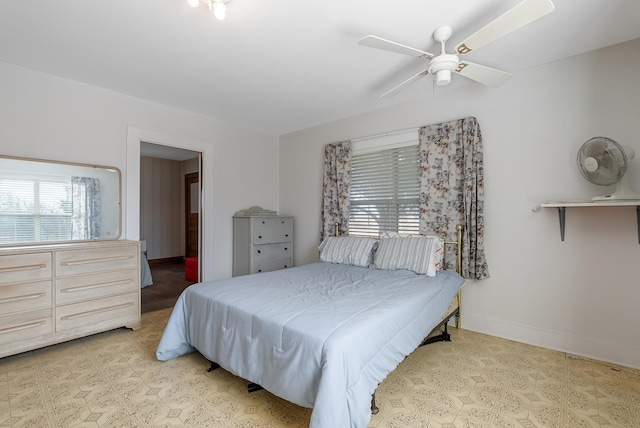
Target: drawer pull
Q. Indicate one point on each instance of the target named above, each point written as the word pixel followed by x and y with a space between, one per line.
pixel 23 267
pixel 98 260
pixel 259 251
pixel 23 326
pixel 25 297
pixel 92 286
pixel 96 311
pixel 260 237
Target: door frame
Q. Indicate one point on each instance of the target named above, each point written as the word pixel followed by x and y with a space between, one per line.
pixel 131 188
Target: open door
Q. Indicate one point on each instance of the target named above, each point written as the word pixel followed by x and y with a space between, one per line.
pixel 192 212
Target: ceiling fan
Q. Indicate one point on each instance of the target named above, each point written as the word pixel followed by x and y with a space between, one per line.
pixel 441 65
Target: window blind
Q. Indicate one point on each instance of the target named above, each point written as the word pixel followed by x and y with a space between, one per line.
pixel 385 191
pixel 34 210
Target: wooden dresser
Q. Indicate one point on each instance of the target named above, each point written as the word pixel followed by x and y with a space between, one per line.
pixel 261 243
pixel 54 293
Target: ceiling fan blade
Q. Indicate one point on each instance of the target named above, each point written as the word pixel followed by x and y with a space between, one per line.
pixel 480 73
pixel 522 14
pixel 387 45
pixel 404 84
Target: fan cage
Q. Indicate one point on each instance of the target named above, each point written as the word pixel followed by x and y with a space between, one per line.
pixel 610 157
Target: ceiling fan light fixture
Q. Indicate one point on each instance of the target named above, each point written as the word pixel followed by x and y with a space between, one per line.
pixel 443 77
pixel 219 9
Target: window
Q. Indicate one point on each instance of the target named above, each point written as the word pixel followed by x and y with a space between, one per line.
pixel 385 189
pixel 33 209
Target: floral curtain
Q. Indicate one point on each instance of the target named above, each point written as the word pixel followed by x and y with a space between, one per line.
pixel 86 209
pixel 335 188
pixel 452 188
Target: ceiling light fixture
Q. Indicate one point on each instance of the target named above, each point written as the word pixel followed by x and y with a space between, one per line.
pixel 219 7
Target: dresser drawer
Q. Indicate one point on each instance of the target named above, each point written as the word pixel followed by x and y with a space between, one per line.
pixel 122 309
pixel 286 222
pixel 24 297
pixel 271 251
pixel 19 268
pixel 86 287
pixel 90 260
pixel 25 326
pixel 271 265
pixel 266 235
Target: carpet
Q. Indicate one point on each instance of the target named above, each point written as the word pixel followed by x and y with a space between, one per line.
pixel 113 379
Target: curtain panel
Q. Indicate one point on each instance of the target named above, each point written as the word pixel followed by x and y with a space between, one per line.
pixel 452 188
pixel 335 188
pixel 86 208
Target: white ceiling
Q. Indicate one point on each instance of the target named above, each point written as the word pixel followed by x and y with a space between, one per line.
pixel 284 65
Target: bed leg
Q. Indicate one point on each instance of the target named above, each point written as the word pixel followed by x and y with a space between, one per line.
pixel 445 333
pixel 253 387
pixel 213 366
pixel 374 408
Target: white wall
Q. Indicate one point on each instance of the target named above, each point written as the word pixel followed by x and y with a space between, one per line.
pixel 580 295
pixel 162 207
pixel 43 116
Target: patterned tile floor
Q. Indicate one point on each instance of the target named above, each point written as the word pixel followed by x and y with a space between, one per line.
pixel 113 380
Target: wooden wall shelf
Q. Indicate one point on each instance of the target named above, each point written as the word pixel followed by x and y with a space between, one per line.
pixel 589 203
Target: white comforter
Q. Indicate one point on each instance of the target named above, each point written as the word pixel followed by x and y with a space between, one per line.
pixel 322 335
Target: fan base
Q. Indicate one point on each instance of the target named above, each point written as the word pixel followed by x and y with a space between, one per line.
pixel 623 192
pixel 614 197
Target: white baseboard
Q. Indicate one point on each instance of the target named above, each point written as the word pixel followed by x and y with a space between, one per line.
pixel 615 353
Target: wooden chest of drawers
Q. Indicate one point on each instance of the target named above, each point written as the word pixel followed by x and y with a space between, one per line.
pixel 54 293
pixel 262 244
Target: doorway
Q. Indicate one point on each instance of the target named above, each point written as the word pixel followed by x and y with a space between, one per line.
pixel 169 221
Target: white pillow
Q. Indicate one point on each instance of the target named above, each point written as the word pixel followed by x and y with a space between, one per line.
pixel 347 250
pixel 438 255
pixel 438 249
pixel 420 254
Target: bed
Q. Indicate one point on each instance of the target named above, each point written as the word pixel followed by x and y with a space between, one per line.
pixel 145 271
pixel 322 335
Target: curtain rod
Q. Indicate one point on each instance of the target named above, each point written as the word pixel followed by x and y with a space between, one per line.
pixel 385 134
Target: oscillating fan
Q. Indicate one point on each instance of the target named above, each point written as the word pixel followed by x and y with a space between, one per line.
pixel 603 161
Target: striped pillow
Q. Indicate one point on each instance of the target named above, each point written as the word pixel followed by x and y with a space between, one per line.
pixel 347 250
pixel 415 254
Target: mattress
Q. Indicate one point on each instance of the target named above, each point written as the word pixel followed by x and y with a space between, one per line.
pixel 323 335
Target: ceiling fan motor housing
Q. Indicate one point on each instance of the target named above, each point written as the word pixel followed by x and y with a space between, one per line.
pixel 441 66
